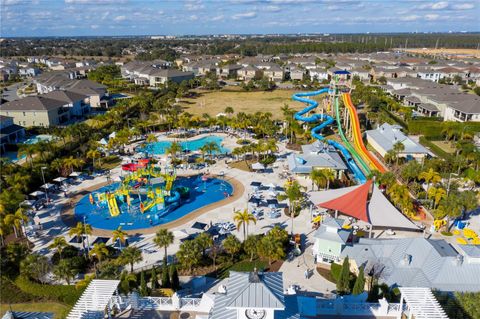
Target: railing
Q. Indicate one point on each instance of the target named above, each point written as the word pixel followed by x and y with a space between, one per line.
pixel 190 302
pixel 342 307
pixel 165 303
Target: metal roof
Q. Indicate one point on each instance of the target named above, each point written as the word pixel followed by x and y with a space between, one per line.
pixel 422 303
pixel 387 135
pixel 416 262
pixel 243 292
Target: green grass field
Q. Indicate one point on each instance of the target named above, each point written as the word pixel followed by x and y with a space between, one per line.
pixel 445 146
pixel 59 310
pixel 214 102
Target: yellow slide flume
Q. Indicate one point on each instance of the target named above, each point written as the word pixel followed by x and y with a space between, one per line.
pixel 357 136
pixel 112 205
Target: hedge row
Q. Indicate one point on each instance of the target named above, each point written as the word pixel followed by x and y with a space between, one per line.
pixel 396 118
pixel 66 294
pixel 434 148
pixel 435 128
pixel 10 293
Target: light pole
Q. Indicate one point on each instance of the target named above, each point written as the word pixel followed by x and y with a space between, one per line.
pixel 86 235
pixel 43 178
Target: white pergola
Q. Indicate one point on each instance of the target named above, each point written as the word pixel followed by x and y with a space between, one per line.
pixel 94 300
pixel 422 303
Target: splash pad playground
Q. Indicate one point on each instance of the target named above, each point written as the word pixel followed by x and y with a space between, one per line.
pixel 149 196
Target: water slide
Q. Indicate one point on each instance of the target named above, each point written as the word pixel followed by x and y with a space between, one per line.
pixel 357 136
pixel 327 120
pixel 112 205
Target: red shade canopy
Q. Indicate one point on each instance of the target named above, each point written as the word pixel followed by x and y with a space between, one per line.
pixel 353 203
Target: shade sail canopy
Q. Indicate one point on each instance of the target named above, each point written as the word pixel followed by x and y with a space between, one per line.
pixel 383 214
pixel 353 203
pixel 323 196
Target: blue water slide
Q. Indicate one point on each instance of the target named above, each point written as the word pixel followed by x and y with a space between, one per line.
pixel 174 198
pixel 326 121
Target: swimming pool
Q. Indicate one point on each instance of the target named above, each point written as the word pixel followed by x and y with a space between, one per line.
pixel 202 193
pixel 161 147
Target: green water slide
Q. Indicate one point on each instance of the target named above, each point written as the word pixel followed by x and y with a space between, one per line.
pixel 349 146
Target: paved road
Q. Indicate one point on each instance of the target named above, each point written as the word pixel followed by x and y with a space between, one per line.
pixel 11 93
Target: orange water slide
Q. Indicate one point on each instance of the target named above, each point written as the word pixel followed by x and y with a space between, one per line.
pixel 357 136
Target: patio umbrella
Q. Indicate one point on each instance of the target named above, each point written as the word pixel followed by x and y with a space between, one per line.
pixel 75 174
pixel 103 142
pixel 112 135
pixel 182 233
pixel 47 186
pixel 27 202
pixel 271 185
pixel 37 193
pixel 59 179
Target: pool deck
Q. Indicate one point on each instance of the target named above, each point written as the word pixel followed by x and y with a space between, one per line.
pixel 69 219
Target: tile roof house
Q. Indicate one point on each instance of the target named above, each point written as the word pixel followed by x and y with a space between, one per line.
pixel 383 138
pixel 418 262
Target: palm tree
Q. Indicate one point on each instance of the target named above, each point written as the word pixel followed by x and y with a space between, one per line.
pixel 151 138
pixel 119 235
pixel 16 220
pixel 210 148
pixel 64 270
pixel 131 255
pixel 57 164
pixel 70 163
pixel 270 249
pixel 59 243
pixel 430 177
pixel 437 194
pixel 204 241
pixel 293 193
pixel 174 149
pixel 93 154
pixel 232 245
pixel 189 254
pixel 397 149
pixel 250 246
pixel 100 251
pixel 229 111
pixel 328 175
pixel 164 238
pixel 27 150
pixel 243 218
pixel 80 230
pixel 35 266
pixel 317 178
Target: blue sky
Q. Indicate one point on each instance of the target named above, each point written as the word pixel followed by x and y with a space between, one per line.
pixel 139 17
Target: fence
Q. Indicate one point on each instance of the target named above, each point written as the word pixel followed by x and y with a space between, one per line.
pixel 341 307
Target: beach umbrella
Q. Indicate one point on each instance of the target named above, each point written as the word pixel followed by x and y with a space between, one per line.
pixel 47 186
pixel 27 202
pixel 257 166
pixel 75 174
pixel 59 179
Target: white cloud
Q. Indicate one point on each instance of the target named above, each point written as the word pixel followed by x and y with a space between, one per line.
pixel 245 15
pixel 193 17
pixel 333 8
pixel 431 17
pixel 434 6
pixel 218 18
pixel 194 5
pixel 120 18
pixel 10 2
pixel 412 17
pixel 272 8
pixel 94 26
pixel 463 6
pixel 105 15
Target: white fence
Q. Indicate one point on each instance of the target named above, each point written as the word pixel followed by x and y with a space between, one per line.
pixel 342 307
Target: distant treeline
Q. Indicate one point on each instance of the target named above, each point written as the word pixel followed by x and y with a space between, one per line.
pixel 145 48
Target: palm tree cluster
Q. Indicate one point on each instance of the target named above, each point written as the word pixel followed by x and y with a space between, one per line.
pixel 322 177
pixel 263 150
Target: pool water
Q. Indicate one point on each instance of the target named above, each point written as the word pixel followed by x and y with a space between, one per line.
pixel 161 147
pixel 202 193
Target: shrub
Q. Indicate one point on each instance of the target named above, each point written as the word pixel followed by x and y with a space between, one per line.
pixel 9 293
pixel 62 293
pixel 335 270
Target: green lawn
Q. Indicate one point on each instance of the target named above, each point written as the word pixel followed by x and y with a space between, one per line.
pixel 59 310
pixel 245 265
pixel 110 162
pixel 446 146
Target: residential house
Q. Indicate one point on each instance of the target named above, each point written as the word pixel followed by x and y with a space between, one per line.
pixel 318 74
pixel 248 73
pixel 29 71
pixel 386 136
pixel 362 73
pixel 228 71
pixel 163 76
pixel 296 73
pixel 37 111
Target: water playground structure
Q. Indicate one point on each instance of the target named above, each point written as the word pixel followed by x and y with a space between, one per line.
pixel 149 184
pixel 148 196
pixel 358 159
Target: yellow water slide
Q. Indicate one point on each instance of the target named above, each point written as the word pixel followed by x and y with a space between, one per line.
pixel 112 205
